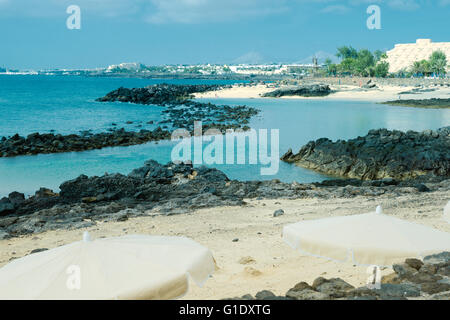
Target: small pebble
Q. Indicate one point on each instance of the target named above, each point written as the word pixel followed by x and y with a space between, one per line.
pixel 278 212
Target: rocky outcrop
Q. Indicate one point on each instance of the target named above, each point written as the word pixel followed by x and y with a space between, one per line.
pixel 369 85
pixel 307 90
pixel 433 103
pixel 36 143
pixel 170 189
pixel 431 276
pixel 158 94
pixel 414 279
pixel 220 117
pixel 181 111
pixel 378 155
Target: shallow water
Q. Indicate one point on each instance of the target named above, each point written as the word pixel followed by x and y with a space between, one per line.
pixel 67 105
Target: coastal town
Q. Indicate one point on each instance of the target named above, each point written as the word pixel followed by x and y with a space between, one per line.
pixel 400 60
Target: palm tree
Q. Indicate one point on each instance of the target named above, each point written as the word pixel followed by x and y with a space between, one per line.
pixel 364 62
pixel 438 62
pixel 345 52
pixel 421 67
pixel 439 67
pixel 379 55
pixel 416 67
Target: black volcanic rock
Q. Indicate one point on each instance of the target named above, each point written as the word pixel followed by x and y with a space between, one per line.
pixel 159 94
pixel 169 189
pixel 380 154
pixel 307 90
pixel 430 281
pixel 50 143
pixel 6 206
pixel 433 103
pixel 181 111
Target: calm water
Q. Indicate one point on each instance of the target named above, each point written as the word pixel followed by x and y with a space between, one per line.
pixel 66 105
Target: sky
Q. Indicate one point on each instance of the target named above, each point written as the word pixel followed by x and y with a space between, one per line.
pixel 34 35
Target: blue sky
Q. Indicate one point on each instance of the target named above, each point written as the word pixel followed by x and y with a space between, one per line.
pixel 33 33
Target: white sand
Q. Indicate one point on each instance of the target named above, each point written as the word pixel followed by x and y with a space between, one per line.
pixel 277 267
pixel 345 92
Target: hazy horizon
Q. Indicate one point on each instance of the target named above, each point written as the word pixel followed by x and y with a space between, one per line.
pixel 159 32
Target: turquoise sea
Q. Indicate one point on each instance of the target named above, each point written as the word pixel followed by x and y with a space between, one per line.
pixel 67 105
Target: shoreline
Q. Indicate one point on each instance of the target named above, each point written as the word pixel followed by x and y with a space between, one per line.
pixel 380 94
pixel 177 188
pixel 170 96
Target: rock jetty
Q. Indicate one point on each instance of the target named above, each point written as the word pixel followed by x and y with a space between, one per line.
pixel 36 143
pixel 170 189
pixel 306 90
pixel 414 279
pixel 158 94
pixel 378 155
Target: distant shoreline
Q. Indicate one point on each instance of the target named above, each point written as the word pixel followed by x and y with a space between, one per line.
pixel 422 103
pixel 350 89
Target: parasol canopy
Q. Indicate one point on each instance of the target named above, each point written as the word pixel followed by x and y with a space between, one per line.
pixel 128 267
pixel 366 239
pixel 447 212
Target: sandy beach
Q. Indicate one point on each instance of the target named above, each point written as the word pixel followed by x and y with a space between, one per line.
pixel 259 259
pixel 382 93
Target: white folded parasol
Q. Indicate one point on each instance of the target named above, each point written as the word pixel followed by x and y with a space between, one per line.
pixel 447 212
pixel 129 267
pixel 366 239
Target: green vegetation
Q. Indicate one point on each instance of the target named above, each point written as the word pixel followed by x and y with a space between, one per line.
pixel 157 69
pixel 436 65
pixel 297 70
pixel 359 63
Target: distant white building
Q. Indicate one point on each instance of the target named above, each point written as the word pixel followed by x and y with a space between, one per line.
pixel 129 66
pixel 260 69
pixel 268 69
pixel 404 55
